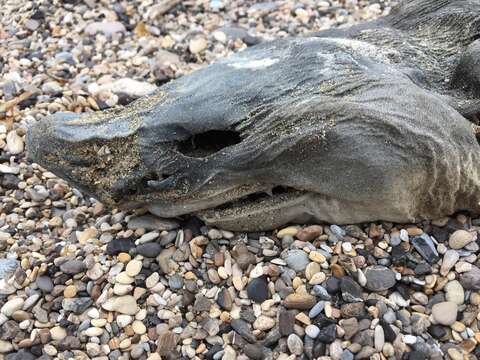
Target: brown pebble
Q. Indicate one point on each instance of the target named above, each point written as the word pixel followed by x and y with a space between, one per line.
pixel 166 342
pixel 219 259
pixel 310 233
pixel 299 301
pixel 337 270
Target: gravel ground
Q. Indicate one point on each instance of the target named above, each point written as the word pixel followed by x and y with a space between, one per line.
pixel 79 281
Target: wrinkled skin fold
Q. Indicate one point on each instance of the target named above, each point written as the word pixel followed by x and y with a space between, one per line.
pixel 373 122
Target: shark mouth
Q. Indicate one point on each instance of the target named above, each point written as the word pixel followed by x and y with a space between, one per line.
pixel 282 203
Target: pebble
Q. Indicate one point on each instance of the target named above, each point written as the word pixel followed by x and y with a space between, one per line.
pixel 454 292
pixel 426 248
pixel 299 301
pixel 58 333
pixel 73 267
pixel 197 45
pixel 316 309
pixel 296 260
pixel 450 258
pixel 151 222
pixel 257 289
pixel 295 344
pixel 445 313
pixel 379 278
pixel 123 304
pixel 133 268
pixel 312 331
pixel 44 283
pixel 470 280
pixel 106 27
pixel 288 231
pixel 460 239
pixel 379 338
pixel 15 144
pixel 149 250
pixel 263 323
pixel 351 290
pixel 11 306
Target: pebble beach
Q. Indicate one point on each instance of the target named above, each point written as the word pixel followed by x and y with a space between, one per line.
pixel 79 280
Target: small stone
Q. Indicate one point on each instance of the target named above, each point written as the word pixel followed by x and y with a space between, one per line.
pixel 243 256
pixel 151 222
pixel 44 283
pixel 299 301
pixel 257 289
pixel 145 238
pixel 123 304
pixel 286 322
pixel 445 313
pixel 350 326
pixel 224 300
pixel 470 280
pixel 243 329
pixel 310 233
pixel 14 143
pixel 93 331
pixel 296 260
pixel 454 292
pixel 197 45
pixel 106 27
pixel 317 257
pixel 295 344
pixel 460 238
pixel 263 323
pixel 149 250
pixel 133 268
pixel 138 327
pixel 409 339
pixel 379 278
pixel 353 310
pixel 70 291
pixel 124 279
pixel 73 267
pixel 96 272
pixel 388 350
pixel 288 231
pixel 77 305
pixel 317 278
pixel 32 24
pixel 253 351
pixel 11 306
pixel 118 246
pixel 321 293
pixel 351 291
pixel 455 354
pixel 327 333
pixel 450 258
pixel 58 333
pixel 166 342
pixel 316 309
pixel 379 340
pixel 311 269
pixel 312 331
pixel 426 248
pixel 202 304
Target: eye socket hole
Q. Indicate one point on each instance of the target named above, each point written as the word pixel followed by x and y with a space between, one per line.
pixel 208 143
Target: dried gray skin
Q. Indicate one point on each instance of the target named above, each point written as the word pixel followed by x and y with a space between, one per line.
pixel 362 124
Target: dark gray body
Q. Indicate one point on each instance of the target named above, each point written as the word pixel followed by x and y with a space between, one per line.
pixel 362 124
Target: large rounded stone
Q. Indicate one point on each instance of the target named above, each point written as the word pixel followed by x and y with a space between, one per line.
pixel 445 313
pixel 379 278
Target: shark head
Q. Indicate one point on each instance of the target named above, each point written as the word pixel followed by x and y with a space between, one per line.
pixel 307 129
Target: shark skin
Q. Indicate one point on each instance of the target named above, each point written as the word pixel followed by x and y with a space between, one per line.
pixel 373 122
